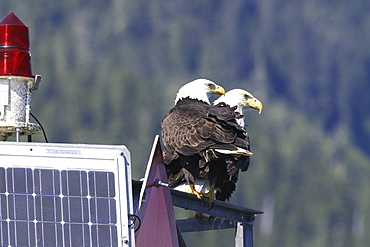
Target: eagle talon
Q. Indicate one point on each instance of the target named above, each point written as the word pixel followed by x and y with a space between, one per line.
pixel 211 195
pixel 198 216
pixel 203 201
pixel 210 206
pixel 193 191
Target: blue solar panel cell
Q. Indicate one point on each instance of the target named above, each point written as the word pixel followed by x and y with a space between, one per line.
pixel 48 208
pixel 4 233
pixel 21 207
pixel 103 235
pixel 2 180
pixel 46 182
pixel 101 184
pixel 19 180
pixel 76 235
pixel 76 183
pixel 75 209
pixel 103 211
pixel 22 233
pixel 49 234
pixel 3 207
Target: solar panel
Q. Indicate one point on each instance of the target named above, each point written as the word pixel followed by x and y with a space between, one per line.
pixel 64 195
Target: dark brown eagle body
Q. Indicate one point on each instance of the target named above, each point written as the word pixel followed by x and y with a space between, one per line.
pixel 194 135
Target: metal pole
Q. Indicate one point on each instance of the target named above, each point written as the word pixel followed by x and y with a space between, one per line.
pixel 243 235
pixel 17 134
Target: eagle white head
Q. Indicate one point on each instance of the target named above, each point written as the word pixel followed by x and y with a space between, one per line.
pixel 242 99
pixel 200 89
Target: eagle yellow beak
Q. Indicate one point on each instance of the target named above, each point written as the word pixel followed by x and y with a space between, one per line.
pixel 255 104
pixel 218 90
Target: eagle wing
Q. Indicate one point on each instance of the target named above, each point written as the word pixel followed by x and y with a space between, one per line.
pixel 190 128
pixel 186 131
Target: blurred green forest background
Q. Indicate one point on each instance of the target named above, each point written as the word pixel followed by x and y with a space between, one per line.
pixel 111 69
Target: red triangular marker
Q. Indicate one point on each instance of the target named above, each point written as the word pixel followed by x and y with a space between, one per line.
pixel 11 19
pixel 158 223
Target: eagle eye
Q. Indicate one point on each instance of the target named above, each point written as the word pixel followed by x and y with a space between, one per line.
pixel 211 86
pixel 247 96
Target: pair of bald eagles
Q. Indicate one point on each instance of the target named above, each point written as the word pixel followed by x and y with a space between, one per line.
pixel 205 145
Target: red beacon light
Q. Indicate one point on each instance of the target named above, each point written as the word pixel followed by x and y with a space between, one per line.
pixel 15 55
pixel 16 79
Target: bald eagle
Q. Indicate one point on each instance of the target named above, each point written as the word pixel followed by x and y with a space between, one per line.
pixel 199 140
pixel 242 100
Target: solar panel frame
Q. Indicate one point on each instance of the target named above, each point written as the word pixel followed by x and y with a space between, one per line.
pixel 42 204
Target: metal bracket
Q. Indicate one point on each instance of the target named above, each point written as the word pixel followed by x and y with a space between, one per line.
pixel 37 82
